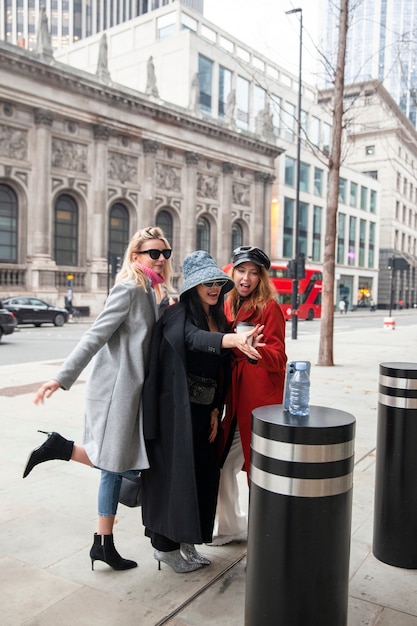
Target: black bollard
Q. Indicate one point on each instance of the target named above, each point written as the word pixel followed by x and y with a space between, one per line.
pixel 300 511
pixel 395 506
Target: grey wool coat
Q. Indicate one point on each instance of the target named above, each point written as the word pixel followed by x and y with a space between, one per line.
pixel 119 341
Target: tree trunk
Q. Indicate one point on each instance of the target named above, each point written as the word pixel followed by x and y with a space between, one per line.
pixel 327 311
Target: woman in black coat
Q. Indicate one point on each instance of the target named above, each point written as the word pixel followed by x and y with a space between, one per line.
pixel 183 399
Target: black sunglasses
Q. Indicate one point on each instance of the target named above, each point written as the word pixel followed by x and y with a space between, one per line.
pixel 220 282
pixel 155 254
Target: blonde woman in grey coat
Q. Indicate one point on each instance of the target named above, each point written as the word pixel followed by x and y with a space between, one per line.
pixel 119 341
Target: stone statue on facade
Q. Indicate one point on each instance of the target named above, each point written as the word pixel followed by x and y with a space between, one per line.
pixel 195 95
pixel 151 86
pixel 229 117
pixel 265 124
pixel 102 64
pixel 43 37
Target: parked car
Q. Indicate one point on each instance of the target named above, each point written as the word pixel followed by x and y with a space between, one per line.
pixel 29 310
pixel 7 321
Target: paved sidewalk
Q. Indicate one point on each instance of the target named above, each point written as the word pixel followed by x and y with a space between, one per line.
pixel 47 521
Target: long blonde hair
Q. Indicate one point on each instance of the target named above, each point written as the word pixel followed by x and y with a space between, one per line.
pixel 131 271
pixel 258 299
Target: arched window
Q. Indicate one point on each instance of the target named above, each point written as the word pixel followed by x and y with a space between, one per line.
pixel 164 221
pixel 237 236
pixel 118 229
pixel 8 225
pixel 203 234
pixel 66 231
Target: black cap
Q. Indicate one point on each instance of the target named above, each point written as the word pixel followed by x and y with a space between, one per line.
pixel 250 254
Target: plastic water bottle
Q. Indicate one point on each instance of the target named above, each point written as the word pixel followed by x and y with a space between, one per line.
pixel 300 391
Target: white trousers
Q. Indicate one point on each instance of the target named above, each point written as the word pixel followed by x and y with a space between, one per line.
pixel 230 519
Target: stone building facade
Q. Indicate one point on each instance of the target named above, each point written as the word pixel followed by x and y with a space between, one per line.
pixel 84 164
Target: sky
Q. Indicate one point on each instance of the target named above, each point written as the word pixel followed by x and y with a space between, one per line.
pixel 272 32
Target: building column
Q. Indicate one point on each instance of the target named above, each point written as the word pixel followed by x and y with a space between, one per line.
pixel 262 212
pixel 150 149
pixel 225 240
pixel 40 210
pixel 188 217
pixel 98 241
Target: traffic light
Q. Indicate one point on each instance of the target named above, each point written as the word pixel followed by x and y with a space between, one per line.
pixel 292 269
pixel 301 266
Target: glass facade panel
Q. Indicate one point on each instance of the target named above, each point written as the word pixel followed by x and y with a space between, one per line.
pixel 318 182
pixel 205 76
pixel 304 177
pixel 342 190
pixel 317 228
pixel 287 247
pixel 225 87
pixel 288 120
pixel 362 242
pixel 289 171
pixel 353 198
pixel 364 198
pixel 352 241
pixel 303 228
pixel 66 231
pixel 372 201
pixel 242 102
pixel 341 241
pixel 371 245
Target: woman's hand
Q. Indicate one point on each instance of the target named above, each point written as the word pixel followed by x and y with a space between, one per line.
pixel 214 424
pixel 249 341
pixel 46 390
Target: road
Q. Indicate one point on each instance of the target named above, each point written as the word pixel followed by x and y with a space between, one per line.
pixel 29 344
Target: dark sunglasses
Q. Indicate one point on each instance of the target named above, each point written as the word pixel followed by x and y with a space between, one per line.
pixel 155 254
pixel 220 282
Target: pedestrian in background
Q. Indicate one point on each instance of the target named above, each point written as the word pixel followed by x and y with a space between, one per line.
pixel 120 341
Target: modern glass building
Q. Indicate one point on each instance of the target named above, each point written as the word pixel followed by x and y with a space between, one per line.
pixel 382 44
pixel 72 20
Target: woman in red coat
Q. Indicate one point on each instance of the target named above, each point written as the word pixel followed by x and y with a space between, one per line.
pixel 254 383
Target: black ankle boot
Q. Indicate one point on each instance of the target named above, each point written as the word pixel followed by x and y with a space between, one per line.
pixel 55 447
pixel 103 550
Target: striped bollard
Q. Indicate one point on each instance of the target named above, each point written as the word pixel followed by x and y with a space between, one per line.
pixel 395 506
pixel 300 510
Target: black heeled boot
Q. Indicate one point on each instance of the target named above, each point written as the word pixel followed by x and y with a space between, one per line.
pixel 55 447
pixel 103 550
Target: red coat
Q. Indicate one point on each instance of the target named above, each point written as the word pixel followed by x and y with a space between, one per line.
pixel 255 385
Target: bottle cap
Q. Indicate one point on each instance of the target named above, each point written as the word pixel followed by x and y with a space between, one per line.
pixel 301 366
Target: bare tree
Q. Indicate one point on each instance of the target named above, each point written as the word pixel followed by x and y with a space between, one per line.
pixel 327 314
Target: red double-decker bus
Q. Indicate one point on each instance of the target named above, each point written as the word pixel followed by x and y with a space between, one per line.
pixel 309 289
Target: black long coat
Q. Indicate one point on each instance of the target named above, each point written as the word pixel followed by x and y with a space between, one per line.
pixel 170 501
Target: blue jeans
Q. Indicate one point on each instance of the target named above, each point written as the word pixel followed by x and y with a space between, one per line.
pixel 109 490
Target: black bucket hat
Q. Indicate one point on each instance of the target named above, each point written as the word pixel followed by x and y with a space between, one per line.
pixel 245 254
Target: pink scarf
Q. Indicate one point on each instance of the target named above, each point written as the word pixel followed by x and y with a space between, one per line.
pixel 154 277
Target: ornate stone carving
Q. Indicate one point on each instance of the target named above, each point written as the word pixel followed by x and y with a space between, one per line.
pixel 241 194
pixel 101 132
pixel 192 158
pixel 43 37
pixel 207 186
pixel 167 177
pixel 68 155
pixel 264 177
pixel 150 146
pixel 151 86
pixel 8 109
pixel 102 71
pixel 13 142
pixel 43 117
pixel 122 167
pixel 228 168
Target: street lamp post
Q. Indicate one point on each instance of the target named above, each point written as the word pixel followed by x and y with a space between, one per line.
pixel 296 264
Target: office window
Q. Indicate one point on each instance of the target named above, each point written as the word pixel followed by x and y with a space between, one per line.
pixel 362 241
pixel 341 242
pixel 352 241
pixel 242 102
pixel 66 231
pixel 317 228
pixel 203 234
pixel 353 198
pixel 342 190
pixel 225 87
pixel 166 25
pixel 318 182
pixel 276 113
pixel 364 198
pixel 304 177
pixel 372 201
pixel 289 171
pixel 327 136
pixel 314 131
pixel 205 77
pixel 8 225
pixel 188 22
pixel 371 245
pixel 288 120
pixel 259 100
pixel 303 228
pixel 288 234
